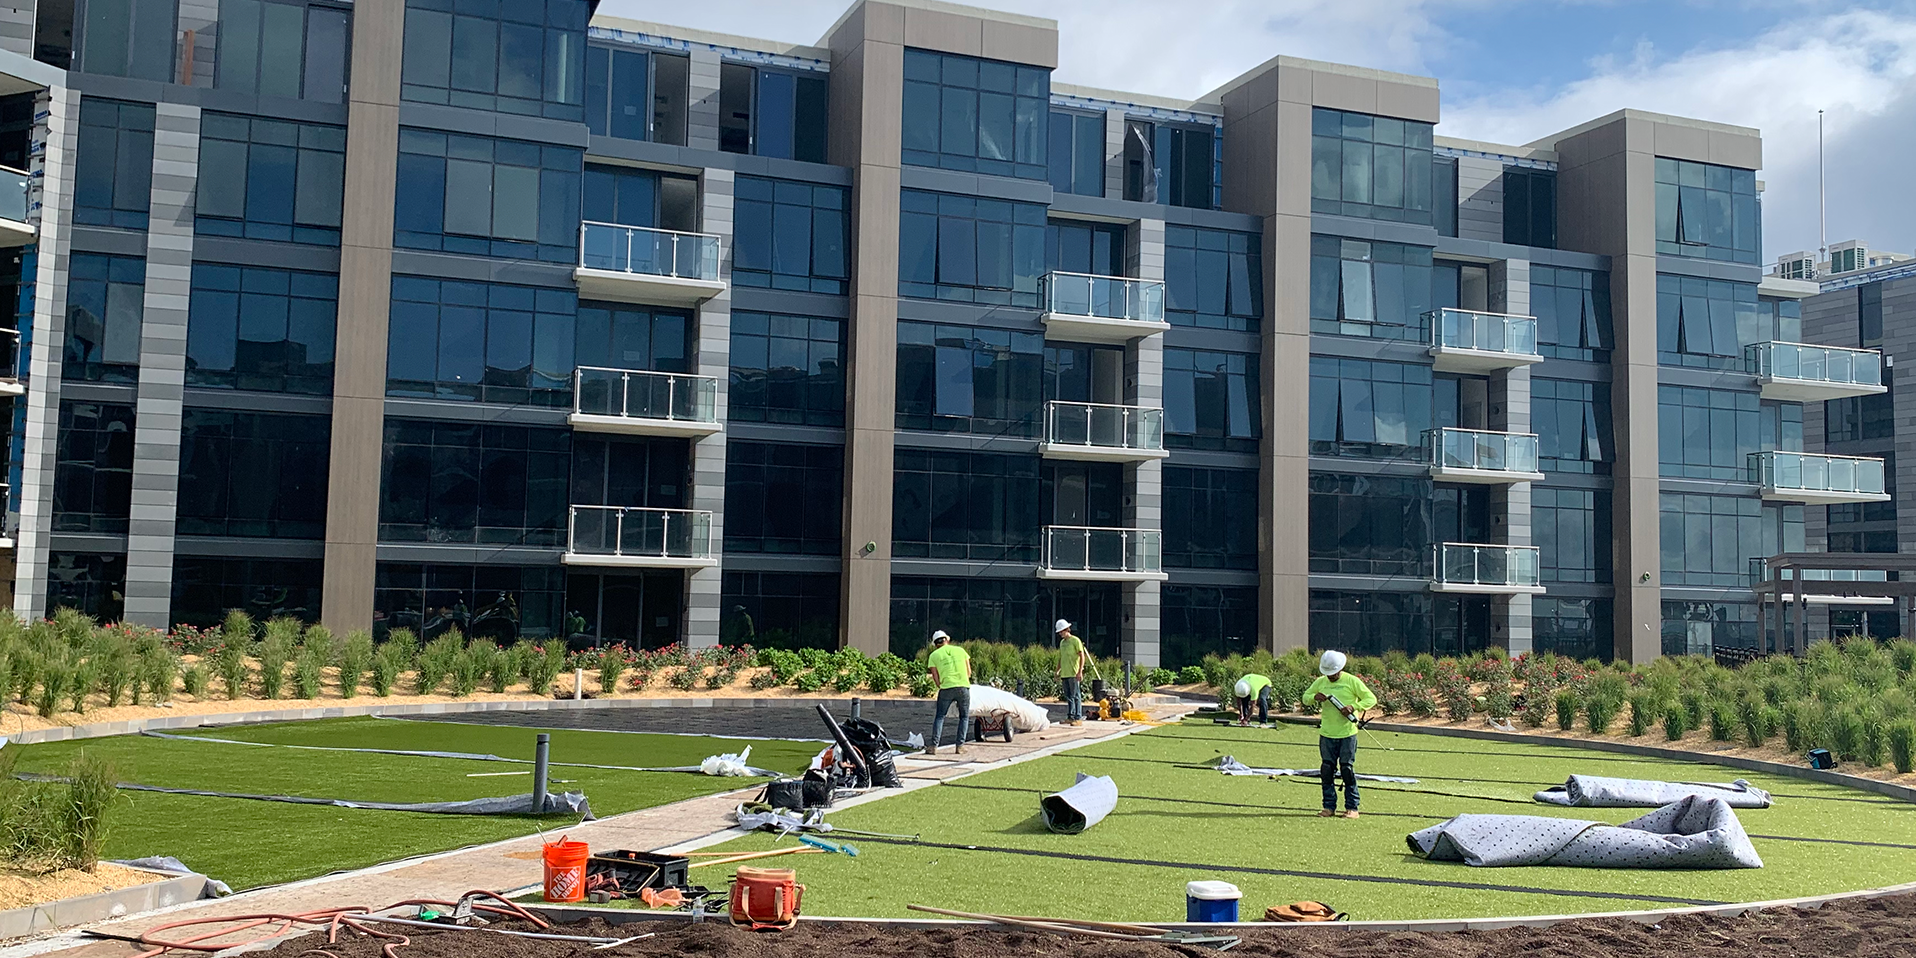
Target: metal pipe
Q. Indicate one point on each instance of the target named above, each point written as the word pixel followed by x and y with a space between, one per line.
pixel 541 757
pixel 497 931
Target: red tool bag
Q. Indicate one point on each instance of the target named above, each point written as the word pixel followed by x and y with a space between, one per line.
pixel 765 899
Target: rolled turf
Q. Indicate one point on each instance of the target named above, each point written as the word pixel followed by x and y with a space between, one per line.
pixel 987 850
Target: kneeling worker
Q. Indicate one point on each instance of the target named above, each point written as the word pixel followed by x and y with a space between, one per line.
pixel 1337 730
pixel 1253 688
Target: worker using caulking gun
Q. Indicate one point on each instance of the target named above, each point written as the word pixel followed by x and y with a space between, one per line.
pixel 1347 696
pixel 1071 659
pixel 1253 688
pixel 950 668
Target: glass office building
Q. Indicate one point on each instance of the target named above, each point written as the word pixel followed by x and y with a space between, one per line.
pixel 546 324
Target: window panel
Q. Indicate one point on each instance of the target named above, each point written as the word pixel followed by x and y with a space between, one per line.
pixel 1372 167
pixel 443 332
pixel 1210 400
pixel 1707 211
pixel 783 499
pixel 253 474
pixel 529 197
pixel 529 65
pixel 128 38
pixel 93 470
pixel 114 170
pixel 983 116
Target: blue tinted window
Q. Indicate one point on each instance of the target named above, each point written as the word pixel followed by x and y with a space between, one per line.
pixel 1530 207
pixel 1571 528
pixel 488 342
pixel 1199 620
pixel 1576 628
pixel 1705 323
pixel 270 180
pixel 113 173
pixel 127 38
pixel 1077 153
pixel 787 369
pixel 253 474
pixel 1707 433
pixel 1372 525
pixel 289 48
pixel 1376 167
pixel 487 197
pixel 978 116
pixel 768 112
pixel 969 379
pixel 493 601
pixel 1211 400
pixel 789 235
pixel 1363 288
pixel 961 505
pixel 779 610
pixel 970 250
pixel 1572 423
pixel 105 305
pixel 205 588
pixel 1078 247
pixel 782 498
pixel 1572 307
pixel 511 56
pixel 466 482
pixel 261 329
pixel 617 336
pixel 1206 513
pixel 1018 611
pixel 1368 409
pixel 1173 164
pixel 93 468
pixel 1709 540
pixel 1213 279
pixel 1707 211
pixel 92 583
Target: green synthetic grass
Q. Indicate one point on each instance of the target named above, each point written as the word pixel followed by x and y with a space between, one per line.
pixel 247 843
pixel 1167 814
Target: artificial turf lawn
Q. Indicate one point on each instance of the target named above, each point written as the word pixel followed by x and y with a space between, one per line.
pixel 1167 814
pixel 247 843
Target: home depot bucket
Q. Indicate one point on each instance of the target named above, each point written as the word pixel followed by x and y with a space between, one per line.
pixel 565 870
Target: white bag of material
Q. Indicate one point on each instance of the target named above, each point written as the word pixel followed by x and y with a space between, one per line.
pixel 730 764
pixel 1026 715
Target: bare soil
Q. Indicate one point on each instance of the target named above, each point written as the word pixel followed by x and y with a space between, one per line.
pixel 21 888
pixel 1863 928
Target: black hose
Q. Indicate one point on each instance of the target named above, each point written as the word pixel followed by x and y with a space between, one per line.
pixel 856 757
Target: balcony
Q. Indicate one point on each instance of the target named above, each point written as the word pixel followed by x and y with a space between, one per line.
pixel 1486 569
pixel 637 264
pixel 1081 308
pixel 1799 372
pixel 1098 432
pixel 1818 479
pixel 1477 456
pixel 1471 341
pixel 1086 554
pixel 636 403
pixel 631 537
pixel 15 228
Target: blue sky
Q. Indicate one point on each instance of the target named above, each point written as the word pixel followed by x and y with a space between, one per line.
pixel 1515 70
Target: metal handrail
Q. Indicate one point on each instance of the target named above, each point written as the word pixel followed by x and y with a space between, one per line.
pixel 692 541
pixel 1137 427
pixel 1516 333
pixel 695 401
pixel 1506 452
pixel 1864 365
pixel 1140 300
pixel 1864 473
pixel 1760 572
pixel 668 259
pixel 1520 566
pixel 1139 550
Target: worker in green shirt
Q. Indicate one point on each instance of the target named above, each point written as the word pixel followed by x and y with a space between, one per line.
pixel 1347 696
pixel 1253 688
pixel 1071 660
pixel 950 668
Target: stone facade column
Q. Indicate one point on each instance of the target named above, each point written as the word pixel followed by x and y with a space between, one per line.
pixel 702 101
pixel 56 145
pixel 1510 624
pixel 162 389
pixel 1114 153
pixel 703 587
pixel 1144 505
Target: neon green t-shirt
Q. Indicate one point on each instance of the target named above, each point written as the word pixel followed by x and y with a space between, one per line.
pixel 1070 650
pixel 1258 683
pixel 953 664
pixel 1349 690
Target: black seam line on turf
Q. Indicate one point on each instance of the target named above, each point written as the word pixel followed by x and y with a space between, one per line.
pixel 1320 876
pixel 1832 841
pixel 1572 750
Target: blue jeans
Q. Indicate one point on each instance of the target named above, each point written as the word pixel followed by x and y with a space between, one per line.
pixel 1263 707
pixel 1338 755
pixel 1073 701
pixel 960 697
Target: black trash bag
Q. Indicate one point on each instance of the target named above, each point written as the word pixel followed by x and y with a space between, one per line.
pixel 868 737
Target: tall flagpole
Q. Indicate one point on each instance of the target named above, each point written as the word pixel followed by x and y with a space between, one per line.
pixel 1822 199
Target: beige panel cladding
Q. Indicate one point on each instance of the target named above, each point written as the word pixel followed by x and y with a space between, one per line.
pixel 1607 205
pixel 947 28
pixel 1676 137
pixel 365 302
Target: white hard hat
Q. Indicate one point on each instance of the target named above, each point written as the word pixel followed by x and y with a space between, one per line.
pixel 1060 626
pixel 1243 689
pixel 939 636
pixel 1331 664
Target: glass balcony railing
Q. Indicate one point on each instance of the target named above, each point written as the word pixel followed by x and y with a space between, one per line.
pixel 649 252
pixel 1813 474
pixel 635 533
pixel 15 187
pixel 1069 549
pixel 1104 426
pixel 1484 451
pixel 1102 297
pixel 1832 365
pixel 1760 573
pixel 1471 329
pixel 1488 568
pixel 637 394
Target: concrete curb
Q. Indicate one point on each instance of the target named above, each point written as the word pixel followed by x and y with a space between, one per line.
pixel 86 909
pixel 390 707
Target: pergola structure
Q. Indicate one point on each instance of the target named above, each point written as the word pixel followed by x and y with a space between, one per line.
pixel 1790 582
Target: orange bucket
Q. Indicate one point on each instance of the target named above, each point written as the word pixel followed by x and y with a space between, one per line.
pixel 565 870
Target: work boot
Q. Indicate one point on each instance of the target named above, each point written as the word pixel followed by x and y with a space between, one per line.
pixel 957 750
pixel 1327 813
pixel 931 750
pixel 1350 813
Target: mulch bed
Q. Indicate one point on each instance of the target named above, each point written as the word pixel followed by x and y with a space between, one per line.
pixel 1862 928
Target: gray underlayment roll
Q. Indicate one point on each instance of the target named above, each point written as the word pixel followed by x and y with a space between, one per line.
pixel 1592 791
pixel 1693 832
pixel 1080 806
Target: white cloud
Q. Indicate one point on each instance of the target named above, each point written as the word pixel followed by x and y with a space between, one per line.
pixel 1859 66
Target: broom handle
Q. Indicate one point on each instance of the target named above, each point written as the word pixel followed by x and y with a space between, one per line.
pixel 1081 923
pixel 749 856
